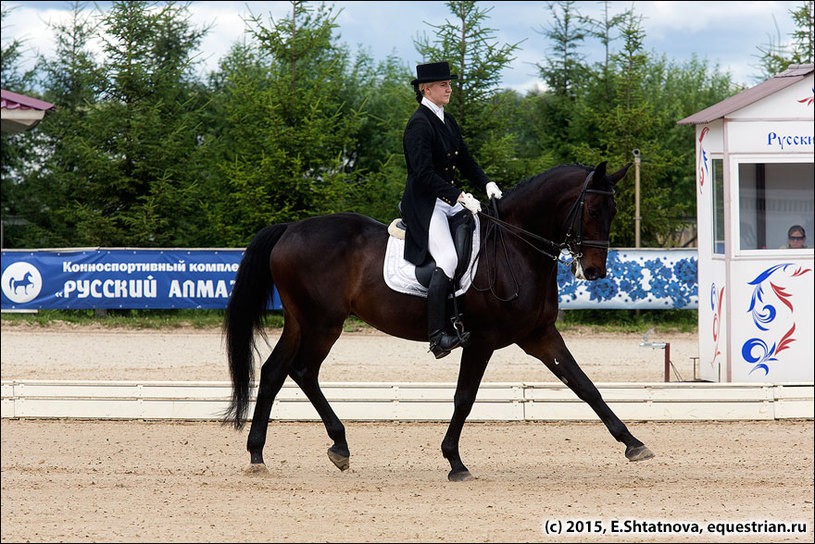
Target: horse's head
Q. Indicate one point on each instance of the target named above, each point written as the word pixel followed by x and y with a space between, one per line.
pixel 568 206
pixel 588 223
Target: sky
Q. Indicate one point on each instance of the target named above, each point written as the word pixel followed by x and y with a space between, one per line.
pixel 724 33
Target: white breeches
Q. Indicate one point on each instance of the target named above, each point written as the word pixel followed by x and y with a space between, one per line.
pixel 440 241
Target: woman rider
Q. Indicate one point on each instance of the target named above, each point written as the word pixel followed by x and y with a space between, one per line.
pixel 434 152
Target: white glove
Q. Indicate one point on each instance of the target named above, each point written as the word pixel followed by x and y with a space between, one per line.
pixel 469 201
pixel 493 191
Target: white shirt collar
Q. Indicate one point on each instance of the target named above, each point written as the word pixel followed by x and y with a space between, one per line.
pixel 438 110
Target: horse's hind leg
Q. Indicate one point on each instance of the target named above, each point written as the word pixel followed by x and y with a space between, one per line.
pixel 305 370
pixel 272 375
pixel 548 346
pixel 474 361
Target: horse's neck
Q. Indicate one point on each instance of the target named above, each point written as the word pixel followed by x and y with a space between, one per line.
pixel 534 208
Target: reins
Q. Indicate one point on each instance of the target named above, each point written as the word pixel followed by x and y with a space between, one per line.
pixel 573 240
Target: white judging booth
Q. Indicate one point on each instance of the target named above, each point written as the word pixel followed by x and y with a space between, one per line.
pixel 754 180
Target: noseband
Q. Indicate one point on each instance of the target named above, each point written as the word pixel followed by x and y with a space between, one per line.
pixel 573 241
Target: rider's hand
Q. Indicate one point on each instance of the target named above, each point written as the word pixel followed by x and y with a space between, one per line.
pixel 470 202
pixel 493 191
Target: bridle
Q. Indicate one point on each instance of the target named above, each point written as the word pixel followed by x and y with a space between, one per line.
pixel 574 236
pixel 573 241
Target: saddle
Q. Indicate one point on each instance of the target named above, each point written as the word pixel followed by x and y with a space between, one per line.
pixel 462 226
pixel 404 277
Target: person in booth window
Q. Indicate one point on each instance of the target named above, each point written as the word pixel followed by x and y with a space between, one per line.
pixel 434 153
pixel 796 238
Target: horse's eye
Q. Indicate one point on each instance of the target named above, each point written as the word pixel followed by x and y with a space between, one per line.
pixel 593 213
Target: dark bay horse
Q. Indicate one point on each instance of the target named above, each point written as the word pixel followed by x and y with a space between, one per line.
pixel 328 267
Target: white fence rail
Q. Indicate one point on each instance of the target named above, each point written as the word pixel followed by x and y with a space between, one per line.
pixel 686 401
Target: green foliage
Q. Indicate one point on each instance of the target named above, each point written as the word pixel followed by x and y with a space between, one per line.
pixel 142 152
pixel 775 55
pixel 632 102
pixel 18 153
pixel 119 158
pixel 283 150
pixel 564 69
pixel 480 108
pixel 630 320
pixel 803 37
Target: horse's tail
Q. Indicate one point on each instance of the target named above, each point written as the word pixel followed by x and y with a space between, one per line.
pixel 245 313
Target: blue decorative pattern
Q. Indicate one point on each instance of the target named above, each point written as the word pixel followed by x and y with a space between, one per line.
pixel 755 350
pixel 635 278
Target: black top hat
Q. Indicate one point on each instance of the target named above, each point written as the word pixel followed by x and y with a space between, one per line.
pixel 435 71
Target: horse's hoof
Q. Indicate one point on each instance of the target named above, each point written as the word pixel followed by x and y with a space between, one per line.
pixel 341 461
pixel 638 453
pixel 257 468
pixel 462 476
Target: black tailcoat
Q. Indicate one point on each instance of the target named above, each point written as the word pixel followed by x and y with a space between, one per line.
pixel 434 151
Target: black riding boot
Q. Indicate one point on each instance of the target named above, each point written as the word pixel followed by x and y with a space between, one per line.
pixel 441 343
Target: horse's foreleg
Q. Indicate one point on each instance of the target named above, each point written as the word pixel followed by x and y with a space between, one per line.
pixel 548 346
pixel 272 375
pixel 473 363
pixel 305 373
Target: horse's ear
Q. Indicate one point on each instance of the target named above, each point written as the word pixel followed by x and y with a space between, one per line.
pixel 619 174
pixel 599 172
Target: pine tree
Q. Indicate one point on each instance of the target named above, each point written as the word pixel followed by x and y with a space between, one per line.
pixel 71 80
pixel 776 55
pixel 285 146
pixel 804 35
pixel 139 164
pixel 562 72
pixel 477 103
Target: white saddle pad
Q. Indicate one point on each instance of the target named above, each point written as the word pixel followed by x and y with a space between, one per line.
pixel 400 275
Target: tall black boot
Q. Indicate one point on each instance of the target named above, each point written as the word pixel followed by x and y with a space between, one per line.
pixel 441 343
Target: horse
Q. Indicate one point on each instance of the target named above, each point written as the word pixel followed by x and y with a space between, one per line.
pixel 27 280
pixel 328 267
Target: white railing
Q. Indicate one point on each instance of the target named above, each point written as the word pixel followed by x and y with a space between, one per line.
pixel 411 401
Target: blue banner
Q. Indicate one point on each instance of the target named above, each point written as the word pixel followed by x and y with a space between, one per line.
pixel 645 279
pixel 203 278
pixel 119 278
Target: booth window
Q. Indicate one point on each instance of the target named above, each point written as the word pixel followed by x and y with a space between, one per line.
pixel 717 166
pixel 772 198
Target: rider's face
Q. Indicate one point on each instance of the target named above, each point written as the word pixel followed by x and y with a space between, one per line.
pixel 438 92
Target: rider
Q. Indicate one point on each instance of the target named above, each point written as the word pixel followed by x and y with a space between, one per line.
pixel 434 152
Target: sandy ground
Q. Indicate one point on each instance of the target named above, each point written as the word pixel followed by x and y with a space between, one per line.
pixel 148 481
pixel 64 352
pixel 184 482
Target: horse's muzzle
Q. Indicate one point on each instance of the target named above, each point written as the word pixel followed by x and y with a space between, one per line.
pixel 590 273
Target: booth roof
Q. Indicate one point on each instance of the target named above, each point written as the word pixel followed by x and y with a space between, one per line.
pixel 21 112
pixel 790 76
pixel 11 101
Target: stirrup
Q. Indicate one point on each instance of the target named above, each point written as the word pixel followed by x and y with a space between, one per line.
pixel 458 326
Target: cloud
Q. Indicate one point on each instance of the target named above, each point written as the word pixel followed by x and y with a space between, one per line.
pixel 29 25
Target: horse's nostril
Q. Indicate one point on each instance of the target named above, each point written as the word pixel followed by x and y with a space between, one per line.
pixel 592 274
